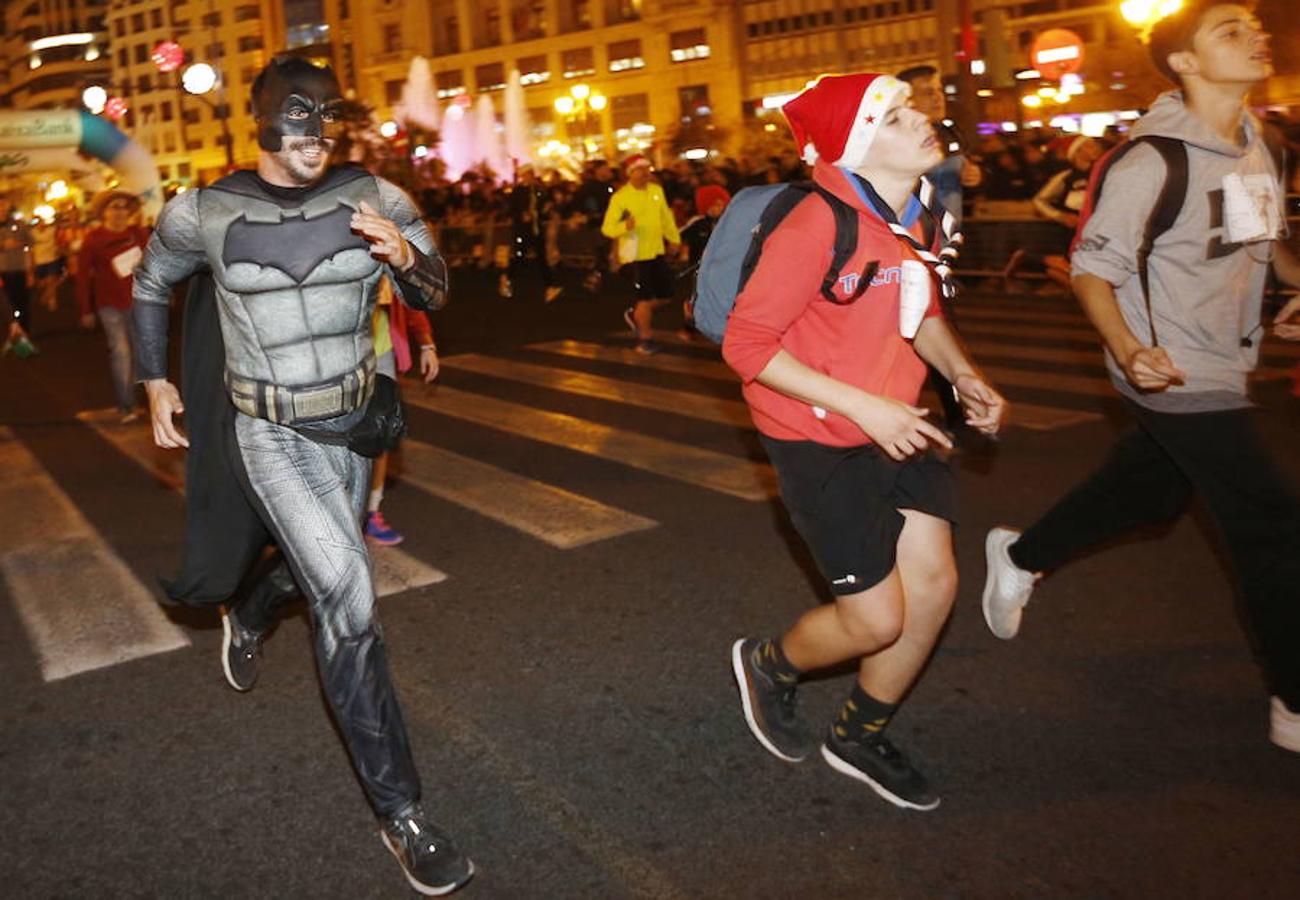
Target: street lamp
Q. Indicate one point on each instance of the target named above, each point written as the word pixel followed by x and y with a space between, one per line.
pixel 1143 14
pixel 198 80
pixel 577 105
pixel 1148 12
pixel 94 98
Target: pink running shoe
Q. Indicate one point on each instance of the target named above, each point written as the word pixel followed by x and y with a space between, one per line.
pixel 380 531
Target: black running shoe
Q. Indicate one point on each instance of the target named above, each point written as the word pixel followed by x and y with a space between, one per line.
pixel 769 706
pixel 241 653
pixel 883 768
pixel 430 859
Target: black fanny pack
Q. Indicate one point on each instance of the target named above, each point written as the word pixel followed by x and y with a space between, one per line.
pixel 379 430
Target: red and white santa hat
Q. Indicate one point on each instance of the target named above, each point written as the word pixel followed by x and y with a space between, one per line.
pixel 637 160
pixel 837 117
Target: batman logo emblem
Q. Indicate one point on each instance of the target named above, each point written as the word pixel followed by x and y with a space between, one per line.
pixel 295 245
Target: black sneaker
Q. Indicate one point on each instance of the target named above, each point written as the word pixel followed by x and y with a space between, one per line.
pixel 884 769
pixel 430 859
pixel 769 706
pixel 241 653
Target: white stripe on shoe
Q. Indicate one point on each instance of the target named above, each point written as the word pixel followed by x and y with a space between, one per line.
pixel 746 703
pixel 428 890
pixel 845 768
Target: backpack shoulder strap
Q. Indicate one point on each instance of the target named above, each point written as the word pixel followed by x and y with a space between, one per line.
pixel 1169 203
pixel 773 215
pixel 846 243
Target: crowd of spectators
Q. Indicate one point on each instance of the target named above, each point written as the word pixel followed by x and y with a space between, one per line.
pixel 1014 166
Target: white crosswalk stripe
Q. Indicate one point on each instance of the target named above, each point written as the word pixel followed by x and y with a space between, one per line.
pixel 81 605
pixel 395 570
pixel 560 518
pixel 1008 323
pixel 681 462
pixel 685 403
pixel 1034 416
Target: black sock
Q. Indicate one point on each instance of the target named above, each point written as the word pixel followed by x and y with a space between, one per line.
pixel 769 657
pixel 863 716
pixel 1014 554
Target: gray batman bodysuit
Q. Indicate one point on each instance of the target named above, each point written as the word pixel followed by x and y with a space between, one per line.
pixel 295 289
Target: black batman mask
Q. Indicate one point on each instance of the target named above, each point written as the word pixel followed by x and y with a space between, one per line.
pixel 295 98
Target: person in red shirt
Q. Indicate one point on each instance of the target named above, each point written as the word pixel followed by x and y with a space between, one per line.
pixel 833 389
pixel 108 255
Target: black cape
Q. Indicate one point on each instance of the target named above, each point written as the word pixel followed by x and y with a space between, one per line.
pixel 224 535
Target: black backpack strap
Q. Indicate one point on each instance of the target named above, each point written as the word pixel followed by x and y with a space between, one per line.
pixel 846 243
pixel 1169 203
pixel 846 237
pixel 774 213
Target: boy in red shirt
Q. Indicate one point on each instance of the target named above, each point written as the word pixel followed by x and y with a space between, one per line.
pixel 104 265
pixel 833 388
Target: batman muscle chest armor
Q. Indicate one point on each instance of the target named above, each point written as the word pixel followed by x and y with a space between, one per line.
pixel 295 287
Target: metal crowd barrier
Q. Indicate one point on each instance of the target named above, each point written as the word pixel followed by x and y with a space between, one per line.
pixel 990 241
pixel 490 244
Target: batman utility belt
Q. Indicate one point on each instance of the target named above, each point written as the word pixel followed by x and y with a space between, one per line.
pixel 304 403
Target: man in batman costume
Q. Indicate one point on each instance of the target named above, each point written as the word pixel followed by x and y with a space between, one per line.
pixel 295 250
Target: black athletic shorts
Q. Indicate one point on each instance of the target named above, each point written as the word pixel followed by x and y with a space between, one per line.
pixel 653 279
pixel 845 503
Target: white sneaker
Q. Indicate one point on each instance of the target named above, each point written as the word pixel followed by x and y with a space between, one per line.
pixel 1006 587
pixel 1285 730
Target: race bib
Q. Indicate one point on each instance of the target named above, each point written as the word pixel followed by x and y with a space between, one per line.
pixel 1250 208
pixel 126 261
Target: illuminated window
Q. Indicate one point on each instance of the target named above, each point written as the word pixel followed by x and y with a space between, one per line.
pixel 688 45
pixel 449 83
pixel 534 70
pixel 625 55
pixel 578 63
pixel 490 77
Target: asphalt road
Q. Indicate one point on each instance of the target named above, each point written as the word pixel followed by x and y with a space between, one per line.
pixel 571 707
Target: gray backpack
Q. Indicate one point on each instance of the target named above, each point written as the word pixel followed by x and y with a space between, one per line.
pixel 732 252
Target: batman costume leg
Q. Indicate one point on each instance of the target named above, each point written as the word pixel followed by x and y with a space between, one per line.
pixel 313 497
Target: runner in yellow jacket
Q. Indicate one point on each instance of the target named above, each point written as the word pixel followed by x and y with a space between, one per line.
pixel 640 220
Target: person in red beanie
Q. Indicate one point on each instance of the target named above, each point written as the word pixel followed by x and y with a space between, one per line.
pixel 833 386
pixel 710 201
pixel 638 218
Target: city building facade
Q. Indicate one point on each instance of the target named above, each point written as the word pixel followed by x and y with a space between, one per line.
pixel 675 75
pixel 49 49
pixel 193 136
pixel 670 69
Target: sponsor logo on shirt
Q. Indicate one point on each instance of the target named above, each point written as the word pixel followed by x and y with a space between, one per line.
pixel 887 275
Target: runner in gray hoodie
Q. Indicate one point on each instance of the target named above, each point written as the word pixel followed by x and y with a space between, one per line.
pixel 1182 369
